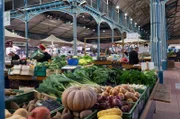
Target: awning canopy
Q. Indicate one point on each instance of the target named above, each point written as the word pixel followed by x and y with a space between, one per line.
pixel 132 41
pixel 53 39
pixel 13 37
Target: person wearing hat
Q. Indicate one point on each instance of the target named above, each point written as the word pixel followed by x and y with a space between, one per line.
pixel 47 56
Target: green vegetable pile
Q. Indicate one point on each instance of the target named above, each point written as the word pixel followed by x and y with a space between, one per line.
pixel 85 60
pixel 137 77
pixel 99 75
pixel 54 85
pixel 56 63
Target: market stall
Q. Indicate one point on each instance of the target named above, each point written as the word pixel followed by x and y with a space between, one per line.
pixel 112 92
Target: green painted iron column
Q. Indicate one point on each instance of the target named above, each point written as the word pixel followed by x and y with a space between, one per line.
pixel 163 35
pixel 26 28
pixel 2 103
pixel 74 27
pixel 99 40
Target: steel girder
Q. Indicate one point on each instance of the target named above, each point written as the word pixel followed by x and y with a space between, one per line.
pixel 33 11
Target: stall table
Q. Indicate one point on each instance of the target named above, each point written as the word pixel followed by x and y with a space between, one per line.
pixel 19 80
pixel 116 64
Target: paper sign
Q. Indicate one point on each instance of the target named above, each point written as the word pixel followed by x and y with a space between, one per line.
pixel 7 18
pixel 147 66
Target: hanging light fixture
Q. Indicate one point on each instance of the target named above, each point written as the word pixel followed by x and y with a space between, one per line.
pixel 117 7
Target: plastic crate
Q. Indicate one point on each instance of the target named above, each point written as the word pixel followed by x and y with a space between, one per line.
pixel 73 62
pixel 137 106
pixel 40 71
pixel 142 100
pixel 25 98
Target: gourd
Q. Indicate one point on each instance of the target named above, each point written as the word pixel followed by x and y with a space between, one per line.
pixel 79 98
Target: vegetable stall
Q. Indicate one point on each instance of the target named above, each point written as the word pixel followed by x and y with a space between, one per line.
pixel 93 90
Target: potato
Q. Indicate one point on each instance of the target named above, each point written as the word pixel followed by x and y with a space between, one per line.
pixel 32 102
pixel 131 96
pixel 76 114
pixel 24 106
pixel 31 107
pixel 65 111
pixel 57 116
pixel 85 113
pixel 67 116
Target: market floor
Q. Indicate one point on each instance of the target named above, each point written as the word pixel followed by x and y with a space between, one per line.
pixel 170 110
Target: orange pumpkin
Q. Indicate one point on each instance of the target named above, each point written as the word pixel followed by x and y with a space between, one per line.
pixel 79 98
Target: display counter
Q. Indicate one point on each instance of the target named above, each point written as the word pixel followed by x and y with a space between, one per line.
pixel 117 64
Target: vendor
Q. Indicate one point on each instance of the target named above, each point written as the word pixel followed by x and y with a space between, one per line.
pixel 14 55
pixel 47 56
pixel 133 56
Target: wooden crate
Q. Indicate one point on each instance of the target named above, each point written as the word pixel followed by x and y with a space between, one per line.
pixel 171 63
pixel 50 71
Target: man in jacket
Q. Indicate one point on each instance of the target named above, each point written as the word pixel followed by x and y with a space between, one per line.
pixel 133 56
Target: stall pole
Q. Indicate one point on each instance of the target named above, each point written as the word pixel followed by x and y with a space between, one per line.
pixel 26 28
pixel 152 31
pixel 2 106
pixel 85 46
pixel 112 39
pixel 123 41
pixel 99 42
pixel 75 28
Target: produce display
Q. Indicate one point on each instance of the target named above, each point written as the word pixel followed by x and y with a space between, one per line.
pixel 120 96
pixel 93 92
pixel 56 63
pixel 85 60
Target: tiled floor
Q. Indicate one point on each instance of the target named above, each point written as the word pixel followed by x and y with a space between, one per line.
pixel 170 110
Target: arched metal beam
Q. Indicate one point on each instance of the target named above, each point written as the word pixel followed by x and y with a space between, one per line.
pixel 63 7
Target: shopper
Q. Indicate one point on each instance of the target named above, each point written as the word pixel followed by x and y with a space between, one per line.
pixel 133 56
pixel 47 56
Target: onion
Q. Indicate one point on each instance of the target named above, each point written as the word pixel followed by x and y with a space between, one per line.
pixel 117 102
pixel 105 94
pixel 136 94
pixel 108 88
pixel 121 96
pixel 115 92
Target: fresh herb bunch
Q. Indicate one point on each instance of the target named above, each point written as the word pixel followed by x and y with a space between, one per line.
pixel 137 77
